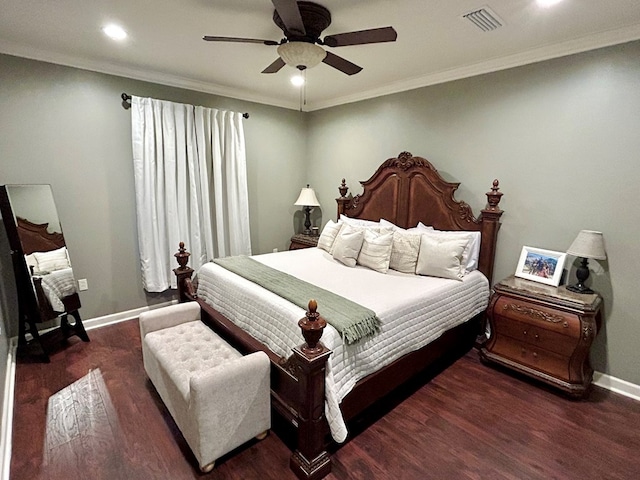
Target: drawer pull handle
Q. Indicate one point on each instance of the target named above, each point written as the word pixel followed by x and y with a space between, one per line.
pixel 537 337
pixel 535 355
pixel 524 332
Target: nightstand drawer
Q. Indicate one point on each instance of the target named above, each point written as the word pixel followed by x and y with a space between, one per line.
pixel 533 357
pixel 554 320
pixel 534 335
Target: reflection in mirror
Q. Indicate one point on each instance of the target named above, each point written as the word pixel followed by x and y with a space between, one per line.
pixel 44 277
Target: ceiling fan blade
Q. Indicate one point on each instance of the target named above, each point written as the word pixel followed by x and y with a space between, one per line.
pixel 373 35
pixel 275 66
pixel 290 15
pixel 210 38
pixel 345 66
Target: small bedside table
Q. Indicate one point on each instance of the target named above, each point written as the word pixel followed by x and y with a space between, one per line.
pixel 300 240
pixel 544 332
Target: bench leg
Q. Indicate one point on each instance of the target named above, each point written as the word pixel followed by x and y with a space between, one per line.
pixel 208 467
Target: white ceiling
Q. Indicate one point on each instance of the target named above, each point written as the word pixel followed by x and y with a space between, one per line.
pixel 435 43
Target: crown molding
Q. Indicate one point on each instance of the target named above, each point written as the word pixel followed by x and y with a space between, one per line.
pixel 547 52
pixel 150 76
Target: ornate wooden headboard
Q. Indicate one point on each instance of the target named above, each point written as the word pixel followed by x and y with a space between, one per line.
pixel 407 190
pixel 34 237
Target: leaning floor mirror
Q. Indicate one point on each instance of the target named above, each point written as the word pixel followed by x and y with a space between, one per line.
pixel 45 283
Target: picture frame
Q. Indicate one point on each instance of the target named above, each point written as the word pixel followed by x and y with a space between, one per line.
pixel 539 265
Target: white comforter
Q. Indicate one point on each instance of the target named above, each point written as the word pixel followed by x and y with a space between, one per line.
pixel 414 310
pixel 57 285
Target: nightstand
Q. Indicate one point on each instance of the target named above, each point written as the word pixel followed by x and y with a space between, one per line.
pixel 300 240
pixel 544 332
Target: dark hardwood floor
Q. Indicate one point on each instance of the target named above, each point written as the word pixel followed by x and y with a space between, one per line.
pixel 93 414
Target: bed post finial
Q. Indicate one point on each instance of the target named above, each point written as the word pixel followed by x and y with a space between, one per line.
pixel 312 326
pixel 494 196
pixel 182 256
pixel 186 291
pixel 343 200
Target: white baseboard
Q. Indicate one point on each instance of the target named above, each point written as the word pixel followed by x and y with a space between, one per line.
pixel 7 411
pixel 121 316
pixel 617 385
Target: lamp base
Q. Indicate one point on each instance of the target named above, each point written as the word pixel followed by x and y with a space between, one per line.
pixel 579 288
pixel 582 273
pixel 307 221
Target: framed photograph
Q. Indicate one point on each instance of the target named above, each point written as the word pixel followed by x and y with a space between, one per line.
pixel 544 266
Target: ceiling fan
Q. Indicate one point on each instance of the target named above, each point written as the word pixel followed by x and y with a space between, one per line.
pixel 302 23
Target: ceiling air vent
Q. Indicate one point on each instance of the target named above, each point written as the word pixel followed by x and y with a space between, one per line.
pixel 484 18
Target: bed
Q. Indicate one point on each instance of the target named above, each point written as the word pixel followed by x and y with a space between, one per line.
pixel 308 384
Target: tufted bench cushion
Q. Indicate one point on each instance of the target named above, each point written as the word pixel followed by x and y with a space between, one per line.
pixel 218 398
pixel 188 349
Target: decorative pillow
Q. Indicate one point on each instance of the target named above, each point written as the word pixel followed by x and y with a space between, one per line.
pixel 328 235
pixel 347 245
pixel 53 260
pixel 404 251
pixel 441 257
pixel 423 227
pixel 376 250
pixel 32 262
pixel 356 222
pixel 472 250
pixel 388 224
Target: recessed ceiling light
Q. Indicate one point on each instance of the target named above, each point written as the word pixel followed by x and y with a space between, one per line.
pixel 114 32
pixel 548 3
pixel 297 80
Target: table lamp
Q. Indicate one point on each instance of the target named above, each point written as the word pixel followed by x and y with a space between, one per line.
pixel 588 244
pixel 308 200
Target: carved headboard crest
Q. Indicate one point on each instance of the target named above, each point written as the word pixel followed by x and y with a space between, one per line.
pixel 405 161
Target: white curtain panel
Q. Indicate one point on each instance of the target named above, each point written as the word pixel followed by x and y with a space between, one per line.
pixel 191 186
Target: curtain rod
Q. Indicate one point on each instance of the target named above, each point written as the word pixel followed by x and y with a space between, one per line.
pixel 126 98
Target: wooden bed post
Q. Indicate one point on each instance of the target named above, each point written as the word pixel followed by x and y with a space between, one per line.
pixel 310 461
pixel 490 226
pixel 343 199
pixel 183 275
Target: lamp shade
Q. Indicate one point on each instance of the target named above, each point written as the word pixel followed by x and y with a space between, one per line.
pixel 307 198
pixel 588 244
pixel 301 55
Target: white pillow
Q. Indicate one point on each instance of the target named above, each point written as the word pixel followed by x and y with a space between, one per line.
pixel 404 251
pixel 472 250
pixel 388 224
pixel 441 257
pixel 376 250
pixel 328 235
pixel 347 245
pixel 356 222
pixel 32 262
pixel 422 227
pixel 53 260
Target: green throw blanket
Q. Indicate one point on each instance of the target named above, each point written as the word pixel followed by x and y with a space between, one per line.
pixel 353 321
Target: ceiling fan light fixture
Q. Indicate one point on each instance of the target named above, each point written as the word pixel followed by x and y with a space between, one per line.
pixel 301 55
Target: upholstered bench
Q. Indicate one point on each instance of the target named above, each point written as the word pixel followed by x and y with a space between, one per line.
pixel 218 398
